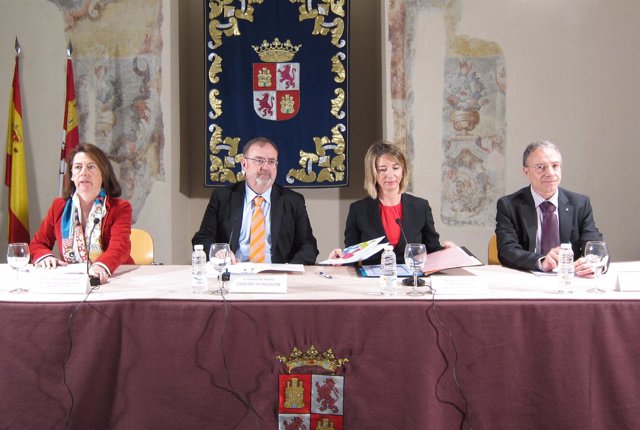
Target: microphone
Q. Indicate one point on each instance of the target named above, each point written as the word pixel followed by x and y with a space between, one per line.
pixel 408 281
pixel 93 281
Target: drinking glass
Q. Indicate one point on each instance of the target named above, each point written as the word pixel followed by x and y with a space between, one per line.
pixel 415 256
pixel 597 255
pixel 220 258
pixel 18 257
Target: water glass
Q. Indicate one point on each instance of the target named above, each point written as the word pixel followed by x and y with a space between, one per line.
pixel 597 255
pixel 18 257
pixel 415 257
pixel 220 259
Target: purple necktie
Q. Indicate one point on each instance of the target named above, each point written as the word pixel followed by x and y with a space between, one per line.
pixel 550 236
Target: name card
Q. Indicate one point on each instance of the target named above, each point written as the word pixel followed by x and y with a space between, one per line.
pixel 444 284
pixel 258 283
pixel 51 282
pixel 628 281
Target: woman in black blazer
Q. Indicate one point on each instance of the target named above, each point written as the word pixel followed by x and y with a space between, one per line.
pixel 388 210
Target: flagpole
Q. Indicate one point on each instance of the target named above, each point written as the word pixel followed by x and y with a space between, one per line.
pixel 70 123
pixel 15 164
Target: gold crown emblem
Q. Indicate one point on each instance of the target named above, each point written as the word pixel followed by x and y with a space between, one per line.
pixel 312 358
pixel 276 52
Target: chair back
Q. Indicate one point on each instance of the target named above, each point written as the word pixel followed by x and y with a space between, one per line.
pixel 141 246
pixel 493 250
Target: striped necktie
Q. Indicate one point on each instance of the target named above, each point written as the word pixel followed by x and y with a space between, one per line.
pixel 257 239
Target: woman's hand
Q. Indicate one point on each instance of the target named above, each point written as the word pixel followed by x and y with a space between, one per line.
pixel 335 254
pixel 51 262
pixel 448 244
pixel 97 271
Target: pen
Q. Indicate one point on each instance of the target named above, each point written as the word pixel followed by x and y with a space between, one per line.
pixel 325 275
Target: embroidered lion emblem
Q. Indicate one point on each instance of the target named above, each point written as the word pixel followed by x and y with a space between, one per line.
pixel 265 104
pixel 295 424
pixel 288 76
pixel 328 395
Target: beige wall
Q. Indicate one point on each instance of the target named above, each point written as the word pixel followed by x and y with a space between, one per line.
pixel 572 74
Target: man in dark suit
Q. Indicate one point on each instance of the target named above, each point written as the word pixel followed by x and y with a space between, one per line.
pixel 520 216
pixel 228 218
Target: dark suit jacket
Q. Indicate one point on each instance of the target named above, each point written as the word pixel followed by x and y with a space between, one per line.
pixel 517 224
pixel 365 223
pixel 292 239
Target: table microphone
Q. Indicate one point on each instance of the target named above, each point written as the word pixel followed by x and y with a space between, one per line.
pixel 93 281
pixel 408 281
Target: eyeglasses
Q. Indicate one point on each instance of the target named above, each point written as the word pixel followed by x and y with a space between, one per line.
pixel 272 162
pixel 539 168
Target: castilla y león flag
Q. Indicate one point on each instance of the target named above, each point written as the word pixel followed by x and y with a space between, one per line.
pixel 15 177
pixel 70 136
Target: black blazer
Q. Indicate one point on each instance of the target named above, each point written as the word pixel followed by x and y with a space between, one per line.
pixel 292 239
pixel 364 223
pixel 517 225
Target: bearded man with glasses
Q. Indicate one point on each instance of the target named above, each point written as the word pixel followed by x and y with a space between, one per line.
pixel 261 221
pixel 532 222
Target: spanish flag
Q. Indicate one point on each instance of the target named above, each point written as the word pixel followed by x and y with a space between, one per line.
pixel 15 176
pixel 70 136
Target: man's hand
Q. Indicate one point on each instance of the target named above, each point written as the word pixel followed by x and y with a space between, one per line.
pixel 550 261
pixel 583 269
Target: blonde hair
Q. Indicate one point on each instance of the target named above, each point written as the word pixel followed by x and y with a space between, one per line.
pixel 374 152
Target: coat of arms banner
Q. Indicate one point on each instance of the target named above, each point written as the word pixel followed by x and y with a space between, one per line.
pixel 278 69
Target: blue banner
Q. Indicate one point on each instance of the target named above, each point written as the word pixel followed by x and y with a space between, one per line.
pixel 278 69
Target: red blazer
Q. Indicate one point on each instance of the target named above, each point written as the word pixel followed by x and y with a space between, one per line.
pixel 116 232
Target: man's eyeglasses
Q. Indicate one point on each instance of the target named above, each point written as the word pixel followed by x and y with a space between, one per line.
pixel 272 162
pixel 539 168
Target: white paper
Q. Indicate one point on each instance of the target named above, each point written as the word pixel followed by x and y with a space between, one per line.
pixel 269 284
pixel 359 252
pixel 449 258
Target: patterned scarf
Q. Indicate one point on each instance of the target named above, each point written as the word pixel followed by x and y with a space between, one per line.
pixel 73 238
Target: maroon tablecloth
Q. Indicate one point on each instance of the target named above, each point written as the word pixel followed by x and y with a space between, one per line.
pixel 154 364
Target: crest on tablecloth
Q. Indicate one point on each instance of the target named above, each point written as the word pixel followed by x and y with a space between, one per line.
pixel 278 69
pixel 311 401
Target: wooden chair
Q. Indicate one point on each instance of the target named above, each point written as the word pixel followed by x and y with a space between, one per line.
pixel 141 246
pixel 493 250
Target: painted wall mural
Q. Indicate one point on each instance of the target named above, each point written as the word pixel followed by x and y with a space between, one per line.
pixel 473 110
pixel 117 47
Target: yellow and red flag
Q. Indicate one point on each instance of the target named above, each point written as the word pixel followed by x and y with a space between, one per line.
pixel 70 136
pixel 15 176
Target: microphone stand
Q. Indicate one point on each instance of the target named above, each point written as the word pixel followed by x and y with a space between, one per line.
pixel 408 282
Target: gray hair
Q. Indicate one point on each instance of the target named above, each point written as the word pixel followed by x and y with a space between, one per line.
pixel 535 145
pixel 258 141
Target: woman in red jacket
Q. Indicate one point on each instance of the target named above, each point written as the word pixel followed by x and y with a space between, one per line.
pixel 89 213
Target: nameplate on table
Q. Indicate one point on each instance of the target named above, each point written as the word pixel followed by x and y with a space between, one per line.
pixel 45 281
pixel 258 284
pixel 628 281
pixel 445 284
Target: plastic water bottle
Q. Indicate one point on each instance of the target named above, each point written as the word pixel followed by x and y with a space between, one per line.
pixel 565 268
pixel 388 272
pixel 198 270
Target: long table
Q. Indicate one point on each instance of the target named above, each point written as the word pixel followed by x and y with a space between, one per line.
pixel 144 352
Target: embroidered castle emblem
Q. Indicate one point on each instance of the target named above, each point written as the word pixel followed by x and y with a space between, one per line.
pixel 276 81
pixel 308 401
